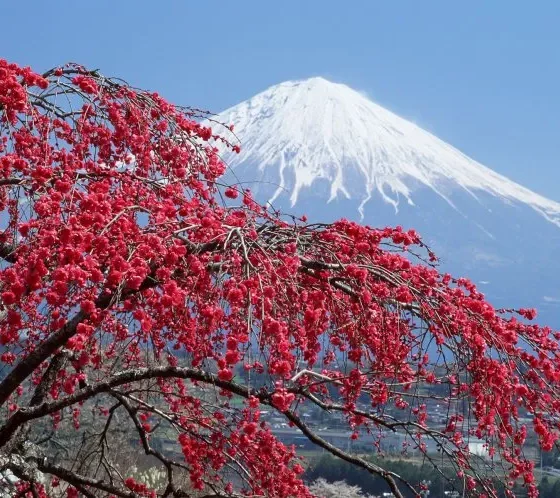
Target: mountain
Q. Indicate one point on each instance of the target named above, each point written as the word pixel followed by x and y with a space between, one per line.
pixel 325 150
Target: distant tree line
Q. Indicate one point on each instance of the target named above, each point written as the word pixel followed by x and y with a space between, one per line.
pixel 333 470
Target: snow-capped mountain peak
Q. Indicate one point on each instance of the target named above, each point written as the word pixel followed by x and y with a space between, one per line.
pixel 300 132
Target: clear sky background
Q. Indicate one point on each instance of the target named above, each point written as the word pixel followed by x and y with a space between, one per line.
pixel 482 75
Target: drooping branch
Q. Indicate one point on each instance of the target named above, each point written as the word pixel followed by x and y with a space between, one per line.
pixel 123 378
pixel 30 363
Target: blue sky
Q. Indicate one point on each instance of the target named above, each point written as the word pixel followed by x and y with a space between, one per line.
pixel 484 76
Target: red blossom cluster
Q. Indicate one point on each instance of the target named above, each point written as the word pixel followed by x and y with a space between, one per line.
pixel 119 257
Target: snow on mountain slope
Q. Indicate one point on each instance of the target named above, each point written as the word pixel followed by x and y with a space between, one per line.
pixel 314 129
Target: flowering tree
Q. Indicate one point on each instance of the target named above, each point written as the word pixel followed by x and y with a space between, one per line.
pixel 142 301
pixel 338 489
